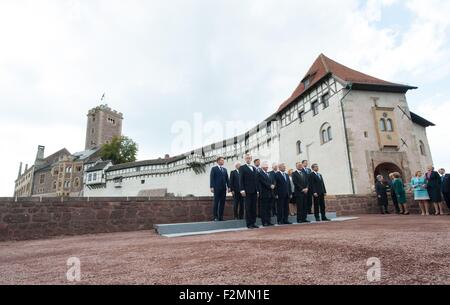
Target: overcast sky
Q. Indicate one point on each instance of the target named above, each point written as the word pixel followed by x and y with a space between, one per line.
pixel 160 62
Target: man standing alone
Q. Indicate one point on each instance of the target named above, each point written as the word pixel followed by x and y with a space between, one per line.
pixel 248 185
pixel 317 186
pixel 219 184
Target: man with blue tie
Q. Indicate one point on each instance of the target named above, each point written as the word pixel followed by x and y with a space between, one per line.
pixel 309 196
pixel 265 187
pixel 249 190
pixel 219 184
pixel 283 192
pixel 317 186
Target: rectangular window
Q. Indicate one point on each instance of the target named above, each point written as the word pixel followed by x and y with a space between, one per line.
pixel 41 179
pixel 95 177
pixel 315 108
pixel 301 116
pixel 326 100
pixel 89 177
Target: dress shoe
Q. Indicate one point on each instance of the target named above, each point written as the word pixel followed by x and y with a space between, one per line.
pixel 318 219
pixel 287 223
pixel 270 224
pixel 255 227
pixel 325 219
pixel 250 227
pixel 304 221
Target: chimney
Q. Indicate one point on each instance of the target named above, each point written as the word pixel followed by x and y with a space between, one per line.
pixel 20 170
pixel 40 153
pixel 26 168
pixel 167 156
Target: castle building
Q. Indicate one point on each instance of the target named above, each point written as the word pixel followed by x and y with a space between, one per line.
pixel 355 126
pixel 103 124
pixel 62 173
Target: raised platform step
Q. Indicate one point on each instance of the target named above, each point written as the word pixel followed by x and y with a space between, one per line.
pixel 192 228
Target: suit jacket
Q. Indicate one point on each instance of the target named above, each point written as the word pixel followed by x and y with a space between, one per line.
pixel 248 179
pixel 264 185
pixel 316 184
pixel 283 186
pixel 234 181
pixel 300 182
pixel 381 190
pixel 446 184
pixel 219 179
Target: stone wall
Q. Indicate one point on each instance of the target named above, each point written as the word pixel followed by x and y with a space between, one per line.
pixel 35 218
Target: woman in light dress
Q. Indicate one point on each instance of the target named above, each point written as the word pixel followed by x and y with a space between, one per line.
pixel 419 186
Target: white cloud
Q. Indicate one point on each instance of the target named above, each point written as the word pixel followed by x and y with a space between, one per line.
pixel 161 61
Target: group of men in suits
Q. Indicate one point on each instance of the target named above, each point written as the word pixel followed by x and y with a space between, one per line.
pixel 256 191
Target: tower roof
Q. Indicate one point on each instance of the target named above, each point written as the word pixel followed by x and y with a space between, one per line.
pixel 324 66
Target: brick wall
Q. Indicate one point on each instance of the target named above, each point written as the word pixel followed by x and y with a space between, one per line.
pixel 33 218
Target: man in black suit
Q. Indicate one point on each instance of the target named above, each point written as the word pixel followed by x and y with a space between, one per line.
pixel 248 184
pixel 301 185
pixel 317 186
pixel 273 203
pixel 283 194
pixel 445 186
pixel 238 201
pixel 257 164
pixel 309 196
pixel 219 184
pixel 265 187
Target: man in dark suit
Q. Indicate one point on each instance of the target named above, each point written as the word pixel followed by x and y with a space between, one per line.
pixel 309 196
pixel 248 184
pixel 265 187
pixel 283 193
pixel 238 201
pixel 301 185
pixel 273 203
pixel 317 186
pixel 219 184
pixel 446 187
pixel 257 165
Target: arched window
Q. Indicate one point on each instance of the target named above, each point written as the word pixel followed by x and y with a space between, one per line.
pixel 389 125
pixel 422 148
pixel 382 124
pixel 326 133
pixel 330 135
pixel 299 147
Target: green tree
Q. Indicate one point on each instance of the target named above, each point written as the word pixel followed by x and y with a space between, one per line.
pixel 120 150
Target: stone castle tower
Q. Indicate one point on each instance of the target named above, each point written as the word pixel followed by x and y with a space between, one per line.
pixel 102 125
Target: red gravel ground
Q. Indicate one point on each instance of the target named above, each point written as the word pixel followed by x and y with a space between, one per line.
pixel 412 250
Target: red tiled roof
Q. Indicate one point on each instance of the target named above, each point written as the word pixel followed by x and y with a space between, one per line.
pixel 324 66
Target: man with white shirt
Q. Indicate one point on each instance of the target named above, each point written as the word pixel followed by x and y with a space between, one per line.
pixel 249 190
pixel 265 187
pixel 301 188
pixel 283 192
pixel 219 183
pixel 317 186
pixel 274 200
pixel 309 197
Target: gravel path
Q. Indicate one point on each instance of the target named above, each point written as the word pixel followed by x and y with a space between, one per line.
pixel 412 250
